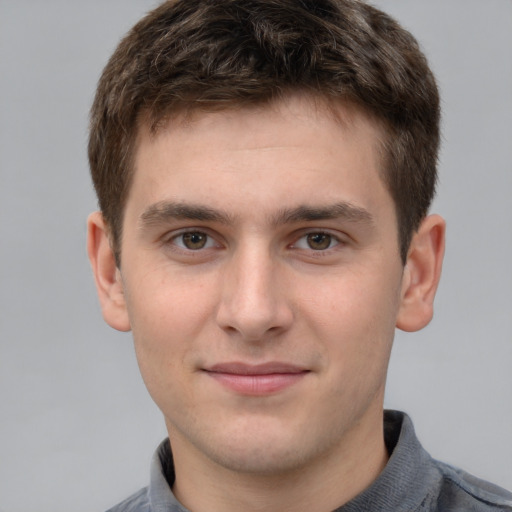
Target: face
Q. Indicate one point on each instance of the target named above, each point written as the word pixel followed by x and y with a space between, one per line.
pixel 262 281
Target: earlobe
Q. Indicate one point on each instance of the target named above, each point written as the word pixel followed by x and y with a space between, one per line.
pixel 106 274
pixel 421 274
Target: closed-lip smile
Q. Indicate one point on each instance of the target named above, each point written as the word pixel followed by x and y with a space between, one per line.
pixel 256 379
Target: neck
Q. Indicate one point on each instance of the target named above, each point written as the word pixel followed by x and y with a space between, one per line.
pixel 324 484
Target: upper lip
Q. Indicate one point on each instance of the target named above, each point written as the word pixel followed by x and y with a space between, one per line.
pixel 238 368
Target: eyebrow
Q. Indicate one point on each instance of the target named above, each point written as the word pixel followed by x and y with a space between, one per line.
pixel 341 210
pixel 166 211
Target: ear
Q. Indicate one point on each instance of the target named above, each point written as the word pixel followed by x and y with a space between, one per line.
pixel 421 274
pixel 106 274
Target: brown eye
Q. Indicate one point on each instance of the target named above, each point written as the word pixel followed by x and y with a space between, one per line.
pixel 319 241
pixel 194 240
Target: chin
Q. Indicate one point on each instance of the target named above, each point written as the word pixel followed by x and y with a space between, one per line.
pixel 263 458
pixel 260 446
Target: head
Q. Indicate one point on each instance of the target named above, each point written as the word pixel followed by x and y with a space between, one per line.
pixel 200 55
pixel 264 168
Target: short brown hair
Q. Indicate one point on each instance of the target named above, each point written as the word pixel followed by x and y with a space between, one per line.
pixel 219 54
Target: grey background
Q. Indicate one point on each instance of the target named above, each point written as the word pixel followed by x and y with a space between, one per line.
pixel 77 427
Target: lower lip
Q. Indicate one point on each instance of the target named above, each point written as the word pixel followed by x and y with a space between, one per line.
pixel 257 385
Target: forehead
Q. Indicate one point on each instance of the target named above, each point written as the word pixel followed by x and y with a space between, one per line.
pixel 277 152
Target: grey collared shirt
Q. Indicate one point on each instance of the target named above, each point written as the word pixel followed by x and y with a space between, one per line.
pixel 411 482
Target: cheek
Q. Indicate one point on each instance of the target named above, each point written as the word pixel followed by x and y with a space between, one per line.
pixel 354 317
pixel 169 304
pixel 168 315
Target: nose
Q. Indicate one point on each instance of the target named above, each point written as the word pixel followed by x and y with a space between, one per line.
pixel 254 303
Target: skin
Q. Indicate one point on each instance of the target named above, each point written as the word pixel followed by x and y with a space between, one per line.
pixel 291 259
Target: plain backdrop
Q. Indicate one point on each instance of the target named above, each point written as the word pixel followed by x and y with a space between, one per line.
pixel 77 427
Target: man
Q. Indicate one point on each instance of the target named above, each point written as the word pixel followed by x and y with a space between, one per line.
pixel 264 170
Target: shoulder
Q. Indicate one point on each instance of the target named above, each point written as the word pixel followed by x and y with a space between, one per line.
pixel 138 502
pixel 461 491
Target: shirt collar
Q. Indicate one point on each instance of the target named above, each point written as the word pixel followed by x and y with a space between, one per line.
pixel 405 484
pixel 409 479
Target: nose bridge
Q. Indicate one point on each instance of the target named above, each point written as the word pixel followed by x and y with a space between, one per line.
pixel 252 303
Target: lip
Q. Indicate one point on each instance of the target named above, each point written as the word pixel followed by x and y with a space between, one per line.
pixel 256 380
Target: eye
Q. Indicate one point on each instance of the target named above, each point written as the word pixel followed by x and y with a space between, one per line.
pixel 317 241
pixel 194 241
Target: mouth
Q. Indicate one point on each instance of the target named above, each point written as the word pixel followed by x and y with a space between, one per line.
pixel 256 380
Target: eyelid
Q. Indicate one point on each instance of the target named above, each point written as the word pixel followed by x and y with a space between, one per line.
pixel 169 238
pixel 341 241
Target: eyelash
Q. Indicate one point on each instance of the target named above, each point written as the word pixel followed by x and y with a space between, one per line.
pixel 172 241
pixel 335 242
